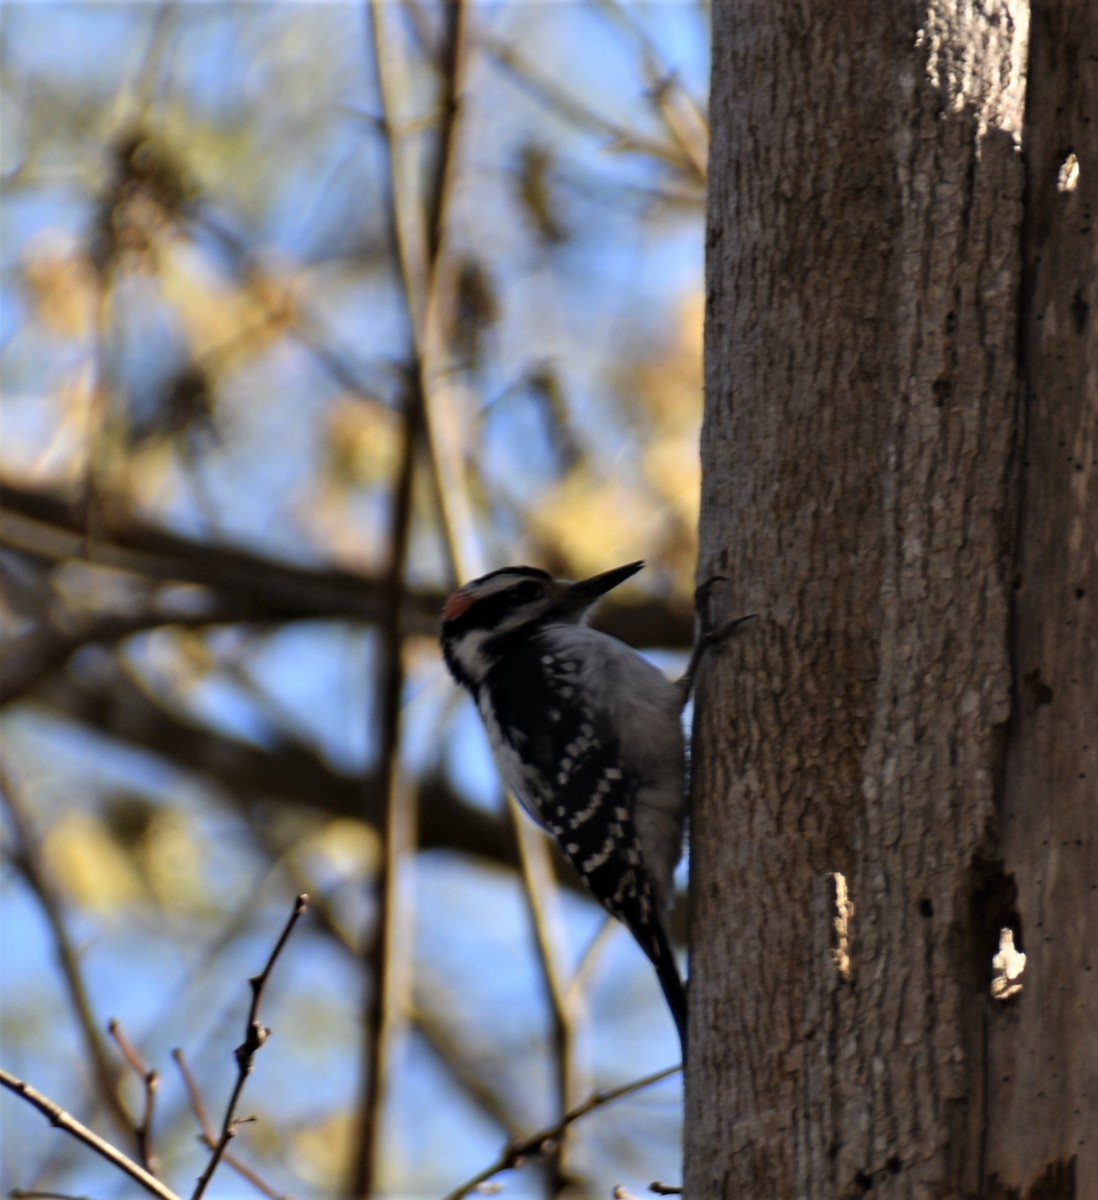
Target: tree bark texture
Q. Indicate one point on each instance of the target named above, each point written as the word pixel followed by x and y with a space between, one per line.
pixel 1043 1052
pixel 861 456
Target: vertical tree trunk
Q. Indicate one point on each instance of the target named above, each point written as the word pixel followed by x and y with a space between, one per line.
pixel 860 490
pixel 1043 1052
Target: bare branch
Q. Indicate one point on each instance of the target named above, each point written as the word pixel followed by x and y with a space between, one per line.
pixel 48 526
pixel 419 240
pixel 253 587
pixel 26 858
pixel 288 772
pixel 66 1121
pixel 35 654
pixel 518 1151
pixel 194 1095
pixel 389 953
pixel 572 109
pixel 565 1003
pixel 427 286
pixel 685 120
pixel 255 1035
pixel 209 1137
pixel 150 1080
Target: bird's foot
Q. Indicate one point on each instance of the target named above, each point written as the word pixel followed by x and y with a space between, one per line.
pixel 708 637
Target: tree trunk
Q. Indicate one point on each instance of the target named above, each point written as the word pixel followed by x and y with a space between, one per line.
pixel 1043 1052
pixel 869 811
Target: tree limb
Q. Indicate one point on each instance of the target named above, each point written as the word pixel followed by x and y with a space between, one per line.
pixel 66 1121
pixel 47 525
pixel 288 772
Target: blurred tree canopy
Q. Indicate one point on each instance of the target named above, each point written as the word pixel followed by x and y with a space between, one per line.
pixel 308 313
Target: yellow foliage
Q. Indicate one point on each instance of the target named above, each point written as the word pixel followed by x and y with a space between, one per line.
pixel 321 1151
pixel 93 869
pixel 672 467
pixel 171 863
pixel 598 520
pixel 596 517
pixel 138 854
pixel 64 286
pixel 345 846
pixel 226 325
pixel 363 441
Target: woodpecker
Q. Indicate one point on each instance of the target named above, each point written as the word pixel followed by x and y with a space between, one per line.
pixel 587 735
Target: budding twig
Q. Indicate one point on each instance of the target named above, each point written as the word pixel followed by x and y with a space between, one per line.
pixel 255 1034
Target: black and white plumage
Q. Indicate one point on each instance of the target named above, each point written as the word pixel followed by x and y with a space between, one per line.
pixel 587 734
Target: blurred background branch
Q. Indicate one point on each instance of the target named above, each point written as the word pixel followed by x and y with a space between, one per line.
pixel 25 856
pixel 308 314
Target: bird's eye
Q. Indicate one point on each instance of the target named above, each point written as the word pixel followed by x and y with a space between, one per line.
pixel 530 590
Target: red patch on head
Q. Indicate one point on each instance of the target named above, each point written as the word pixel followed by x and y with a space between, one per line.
pixel 458 602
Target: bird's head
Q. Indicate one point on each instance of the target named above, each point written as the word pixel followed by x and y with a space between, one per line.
pixel 481 618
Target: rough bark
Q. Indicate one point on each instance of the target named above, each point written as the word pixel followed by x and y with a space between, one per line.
pixel 1043 1051
pixel 860 484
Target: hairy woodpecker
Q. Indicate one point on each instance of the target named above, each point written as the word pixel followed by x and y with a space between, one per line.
pixel 587 734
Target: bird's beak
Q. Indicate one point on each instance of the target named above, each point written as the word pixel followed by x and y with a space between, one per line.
pixel 580 596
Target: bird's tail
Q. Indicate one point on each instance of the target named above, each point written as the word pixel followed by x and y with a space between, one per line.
pixel 662 955
pixel 638 904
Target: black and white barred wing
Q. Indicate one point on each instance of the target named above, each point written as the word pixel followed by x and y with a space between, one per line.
pixel 562 759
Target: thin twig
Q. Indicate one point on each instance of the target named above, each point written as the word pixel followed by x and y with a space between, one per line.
pixel 419 235
pixel 475 1069
pixel 35 1194
pixel 209 1138
pixel 514 1153
pixel 255 1035
pixel 418 239
pixel 198 1106
pixel 66 1121
pixel 562 103
pixel 565 1003
pixel 26 857
pixel 150 1080
pixel 581 977
pixel 389 952
pixel 684 119
pixel 422 247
